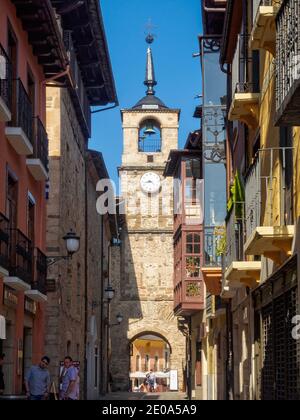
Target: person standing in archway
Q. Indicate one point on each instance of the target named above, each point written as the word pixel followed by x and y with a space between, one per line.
pixel 151 381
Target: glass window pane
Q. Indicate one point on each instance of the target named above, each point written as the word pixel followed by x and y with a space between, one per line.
pixel 189 238
pixel 197 238
pixel 193 267
pixel 197 249
pixel 189 249
pixel 188 169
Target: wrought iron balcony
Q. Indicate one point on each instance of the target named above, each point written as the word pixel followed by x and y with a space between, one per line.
pixel 21 257
pixel 288 64
pixel 38 162
pixel 5 86
pixel 239 272
pixel 263 34
pixel 20 129
pixel 214 247
pixel 4 242
pixel 214 238
pixel 245 104
pixel 235 234
pixel 267 205
pixel 39 284
pixel 150 145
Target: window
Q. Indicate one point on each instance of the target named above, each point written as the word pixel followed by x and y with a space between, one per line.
pixel 156 363
pixel 191 191
pixel 193 267
pixel 12 201
pixel 30 219
pixel 13 51
pixel 193 243
pixel 137 362
pixel 193 168
pixel 31 89
pixel 286 157
pixel 147 361
pixel 166 359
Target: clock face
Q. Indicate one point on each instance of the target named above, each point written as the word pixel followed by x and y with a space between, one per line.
pixel 150 182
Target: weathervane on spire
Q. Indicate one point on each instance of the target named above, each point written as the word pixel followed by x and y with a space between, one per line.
pixel 150 34
pixel 150 81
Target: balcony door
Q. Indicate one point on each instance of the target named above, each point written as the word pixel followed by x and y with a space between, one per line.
pixel 12 213
pixel 12 53
pixel 286 142
pixel 30 218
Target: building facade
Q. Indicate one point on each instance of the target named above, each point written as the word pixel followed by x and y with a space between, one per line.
pixel 144 284
pixel 260 276
pixel 25 64
pixel 75 306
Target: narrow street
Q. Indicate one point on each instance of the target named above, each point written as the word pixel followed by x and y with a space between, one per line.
pixel 149 202
pixel 127 396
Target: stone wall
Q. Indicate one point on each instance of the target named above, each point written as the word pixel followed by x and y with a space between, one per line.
pixel 65 211
pixel 144 284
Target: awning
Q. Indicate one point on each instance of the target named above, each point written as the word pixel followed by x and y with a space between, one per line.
pixel 2 328
pixel 136 375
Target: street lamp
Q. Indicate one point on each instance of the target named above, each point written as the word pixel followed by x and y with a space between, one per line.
pixel 109 293
pixel 72 243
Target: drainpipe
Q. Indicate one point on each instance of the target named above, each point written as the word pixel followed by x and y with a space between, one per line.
pixel 102 389
pixel 85 280
pixel 105 109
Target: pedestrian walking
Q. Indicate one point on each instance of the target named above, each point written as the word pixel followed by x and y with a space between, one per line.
pixel 37 381
pixel 69 381
pixel 151 379
pixel 2 384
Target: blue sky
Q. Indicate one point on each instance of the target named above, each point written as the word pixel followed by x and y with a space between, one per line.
pixel 178 23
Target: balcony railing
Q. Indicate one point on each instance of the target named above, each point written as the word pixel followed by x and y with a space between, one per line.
pixel 253 197
pixel 4 242
pixel 214 244
pixel 40 275
pixel 266 189
pixel 288 63
pixel 246 87
pixel 21 257
pixel 40 146
pixel 235 234
pixel 83 104
pixel 22 110
pixel 5 78
pixel 150 146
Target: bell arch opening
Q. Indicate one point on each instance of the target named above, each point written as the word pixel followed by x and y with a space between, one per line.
pixel 150 140
pixel 150 355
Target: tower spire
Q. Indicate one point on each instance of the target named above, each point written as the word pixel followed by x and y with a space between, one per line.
pixel 150 81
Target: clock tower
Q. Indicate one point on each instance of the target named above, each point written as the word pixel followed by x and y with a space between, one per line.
pixel 144 286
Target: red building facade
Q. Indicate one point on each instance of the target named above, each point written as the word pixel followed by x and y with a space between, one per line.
pixel 30 54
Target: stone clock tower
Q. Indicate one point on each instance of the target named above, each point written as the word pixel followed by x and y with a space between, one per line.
pixel 144 285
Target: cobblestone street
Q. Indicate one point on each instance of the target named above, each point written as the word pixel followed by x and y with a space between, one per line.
pixel 126 396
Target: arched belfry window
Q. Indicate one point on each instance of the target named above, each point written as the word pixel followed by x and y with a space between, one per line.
pixel 150 137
